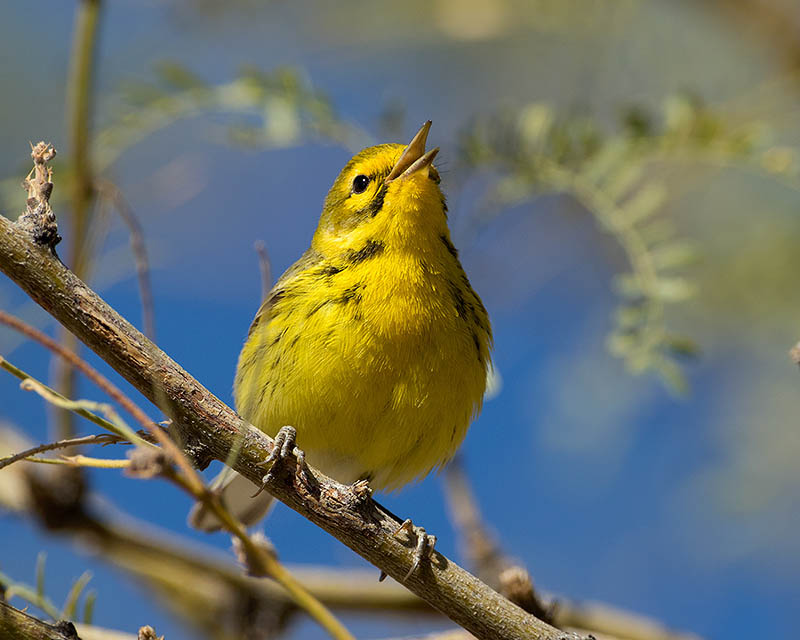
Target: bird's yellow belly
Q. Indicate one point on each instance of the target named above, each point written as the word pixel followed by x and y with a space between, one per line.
pixel 381 386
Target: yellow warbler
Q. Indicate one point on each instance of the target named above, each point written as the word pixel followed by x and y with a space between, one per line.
pixel 373 345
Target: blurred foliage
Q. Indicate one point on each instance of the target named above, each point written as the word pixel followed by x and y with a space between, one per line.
pixel 36 596
pixel 616 174
pixel 273 109
pixel 282 106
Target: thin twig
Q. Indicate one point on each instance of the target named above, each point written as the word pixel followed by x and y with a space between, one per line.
pixel 28 593
pixel 68 611
pixel 80 410
pixel 481 549
pixel 189 482
pixel 263 562
pixel 794 353
pixel 117 424
pixel 610 622
pixel 79 101
pixel 112 390
pixel 108 189
pixel 265 266
pixel 81 460
pixel 100 438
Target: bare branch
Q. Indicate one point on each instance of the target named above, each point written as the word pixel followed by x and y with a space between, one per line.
pixel 609 622
pixel 101 438
pixel 260 558
pixel 482 551
pixel 265 266
pixel 17 625
pixel 81 411
pixel 108 189
pixel 38 219
pixel 106 385
pixel 148 463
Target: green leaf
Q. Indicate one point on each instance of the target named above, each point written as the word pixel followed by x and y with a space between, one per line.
pixel 535 122
pixel 644 203
pixel 88 606
pixel 629 316
pixel 70 608
pixel 673 289
pixel 672 375
pixel 605 161
pixel 179 77
pixel 622 181
pixel 682 346
pixel 672 255
pixel 41 559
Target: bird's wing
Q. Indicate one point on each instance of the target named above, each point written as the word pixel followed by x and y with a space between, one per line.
pixel 309 258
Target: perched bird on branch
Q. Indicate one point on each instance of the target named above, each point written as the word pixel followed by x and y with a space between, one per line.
pixel 373 346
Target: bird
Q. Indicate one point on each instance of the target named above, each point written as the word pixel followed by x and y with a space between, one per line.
pixel 373 349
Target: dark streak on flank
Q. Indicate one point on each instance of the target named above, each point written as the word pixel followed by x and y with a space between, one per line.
pixel 476 299
pixel 330 270
pixel 351 294
pixel 317 307
pixel 371 249
pixel 458 300
pixel 450 247
pixel 277 338
pixel 477 346
pixel 275 296
pixel 294 341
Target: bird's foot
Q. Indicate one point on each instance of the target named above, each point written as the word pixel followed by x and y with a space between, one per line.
pixel 282 449
pixel 423 544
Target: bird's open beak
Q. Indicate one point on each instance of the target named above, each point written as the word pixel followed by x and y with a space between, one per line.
pixel 414 157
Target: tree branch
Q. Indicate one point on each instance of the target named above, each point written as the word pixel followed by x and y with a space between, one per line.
pixel 210 429
pixel 17 625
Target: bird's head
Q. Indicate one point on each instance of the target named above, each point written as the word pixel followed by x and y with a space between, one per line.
pixel 389 191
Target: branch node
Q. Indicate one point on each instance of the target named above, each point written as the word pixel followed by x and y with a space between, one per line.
pixel 249 559
pixel 148 633
pixel 516 585
pixel 794 353
pixel 147 463
pixel 199 453
pixel 67 629
pixel 39 220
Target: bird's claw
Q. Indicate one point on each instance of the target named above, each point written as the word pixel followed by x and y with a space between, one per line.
pixel 282 450
pixel 424 544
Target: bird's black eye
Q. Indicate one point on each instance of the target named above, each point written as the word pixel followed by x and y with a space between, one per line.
pixel 360 183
